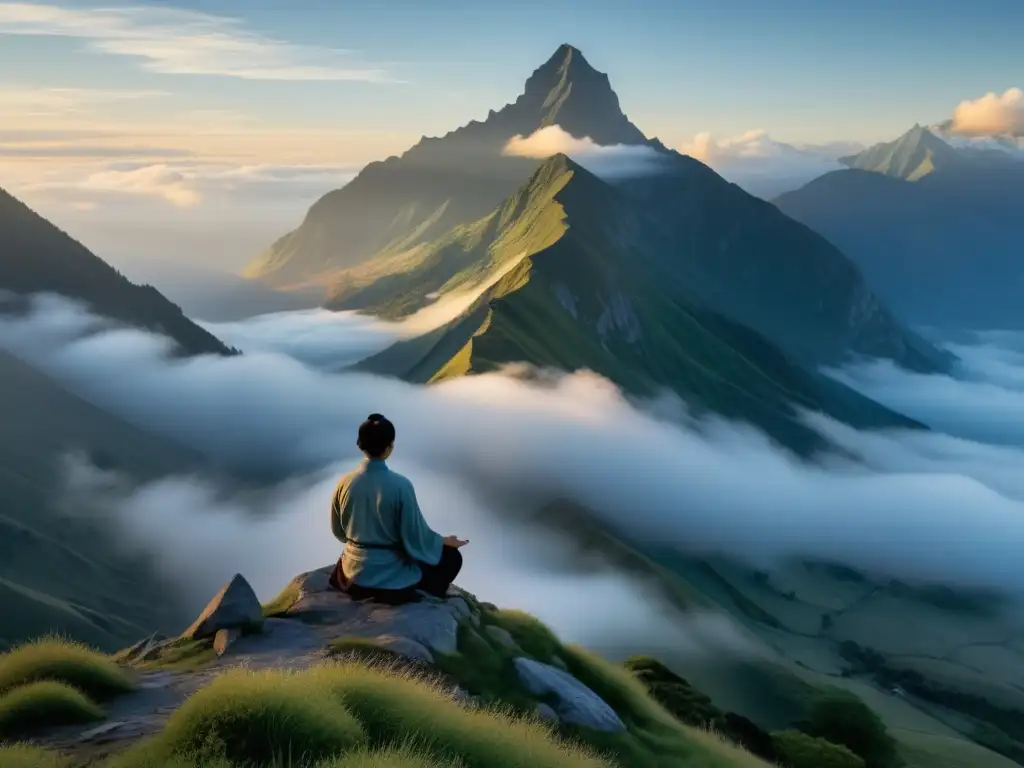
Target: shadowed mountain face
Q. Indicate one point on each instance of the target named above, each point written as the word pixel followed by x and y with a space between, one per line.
pixel 37 257
pixel 59 570
pixel 942 251
pixel 442 182
pixel 434 220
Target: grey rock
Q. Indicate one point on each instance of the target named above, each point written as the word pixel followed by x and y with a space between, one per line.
pixel 577 704
pixel 431 624
pixel 224 638
pixel 236 605
pixel 545 712
pixel 280 641
pixel 312 582
pixel 97 733
pixel 502 637
pixel 460 606
pixel 155 680
pixel 405 646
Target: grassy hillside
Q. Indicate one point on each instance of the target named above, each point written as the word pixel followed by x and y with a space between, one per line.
pixel 584 285
pixel 60 572
pixel 37 257
pixel 365 706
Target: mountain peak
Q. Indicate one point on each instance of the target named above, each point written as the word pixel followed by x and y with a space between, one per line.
pixel 567 91
pixel 915 154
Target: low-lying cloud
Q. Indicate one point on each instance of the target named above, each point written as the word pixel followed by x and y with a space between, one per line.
pixel 763 165
pixel 607 161
pixel 983 402
pixel 991 115
pixel 486 451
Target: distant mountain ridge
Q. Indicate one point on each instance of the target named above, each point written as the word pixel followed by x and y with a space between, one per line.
pixel 37 257
pixel 924 150
pixel 943 247
pixel 912 156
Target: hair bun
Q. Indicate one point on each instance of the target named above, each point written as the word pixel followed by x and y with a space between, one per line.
pixel 375 417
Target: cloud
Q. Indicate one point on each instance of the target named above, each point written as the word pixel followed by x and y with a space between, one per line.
pixel 38 102
pixel 333 341
pixel 983 400
pixel 153 180
pixel 40 150
pixel 487 450
pixel 991 115
pixel 184 42
pixel 609 161
pixel 754 157
pixel 184 184
pixel 319 338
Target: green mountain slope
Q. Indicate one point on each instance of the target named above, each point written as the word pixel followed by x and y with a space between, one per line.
pixel 36 256
pixel 912 156
pixel 402 202
pixel 586 285
pixel 713 244
pixel 59 572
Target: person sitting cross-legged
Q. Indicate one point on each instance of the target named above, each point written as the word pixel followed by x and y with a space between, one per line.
pixel 391 552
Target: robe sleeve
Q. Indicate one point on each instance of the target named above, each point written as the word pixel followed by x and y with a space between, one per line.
pixel 419 540
pixel 336 529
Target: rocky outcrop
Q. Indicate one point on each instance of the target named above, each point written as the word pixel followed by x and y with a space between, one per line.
pixel 311 624
pixel 234 607
pixel 414 630
pixel 576 703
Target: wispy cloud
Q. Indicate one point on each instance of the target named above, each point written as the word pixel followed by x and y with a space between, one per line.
pixel 183 42
pixel 185 184
pixel 47 150
pixel 27 101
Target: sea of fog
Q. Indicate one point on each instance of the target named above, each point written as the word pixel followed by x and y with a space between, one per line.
pixel 945 505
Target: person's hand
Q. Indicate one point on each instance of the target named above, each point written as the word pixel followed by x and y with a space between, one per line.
pixel 455 541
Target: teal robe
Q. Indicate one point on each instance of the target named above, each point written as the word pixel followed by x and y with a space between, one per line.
pixel 377 506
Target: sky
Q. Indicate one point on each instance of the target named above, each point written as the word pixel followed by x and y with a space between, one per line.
pixel 239 115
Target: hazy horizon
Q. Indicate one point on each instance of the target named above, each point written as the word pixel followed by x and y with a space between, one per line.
pixel 122 114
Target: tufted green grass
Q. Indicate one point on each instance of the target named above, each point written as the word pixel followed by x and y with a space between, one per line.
pixel 29 756
pixel 65 661
pixel 46 703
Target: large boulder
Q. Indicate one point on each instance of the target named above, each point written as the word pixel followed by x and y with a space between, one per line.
pixel 575 703
pixel 414 629
pixel 234 607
